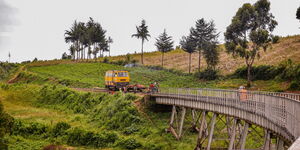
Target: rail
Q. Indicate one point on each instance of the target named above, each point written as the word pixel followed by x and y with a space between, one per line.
pixel 278 112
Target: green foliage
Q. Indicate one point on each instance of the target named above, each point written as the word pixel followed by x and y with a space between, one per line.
pixel 117 112
pixel 61 96
pixel 164 43
pixel 6 69
pixel 275 39
pixel 263 72
pixel 6 122
pixel 295 85
pixel 29 128
pixel 79 137
pixel 207 74
pixel 60 129
pixel 205 36
pixel 251 24
pixel 129 143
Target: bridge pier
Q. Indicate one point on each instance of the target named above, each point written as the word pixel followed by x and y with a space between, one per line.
pixel 211 132
pixel 232 134
pixel 267 145
pixel 244 136
pixel 180 126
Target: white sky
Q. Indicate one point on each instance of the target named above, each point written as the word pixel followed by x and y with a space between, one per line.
pixel 39 25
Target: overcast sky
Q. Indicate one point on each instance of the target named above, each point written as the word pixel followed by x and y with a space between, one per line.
pixel 35 28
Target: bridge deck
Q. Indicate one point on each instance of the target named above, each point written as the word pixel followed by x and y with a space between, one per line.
pixel 278 112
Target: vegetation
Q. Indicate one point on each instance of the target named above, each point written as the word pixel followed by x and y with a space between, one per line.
pixel 298 13
pixel 143 34
pixel 249 32
pixel 164 44
pixel 189 46
pixel 88 35
pixel 205 36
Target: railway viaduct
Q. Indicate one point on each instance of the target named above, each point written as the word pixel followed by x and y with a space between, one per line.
pixel 277 113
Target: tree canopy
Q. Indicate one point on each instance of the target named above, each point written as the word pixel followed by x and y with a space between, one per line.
pixel 204 34
pixel 249 32
pixel 164 43
pixel 142 33
pixel 88 35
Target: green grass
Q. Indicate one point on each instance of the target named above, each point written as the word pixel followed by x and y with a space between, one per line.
pixel 92 75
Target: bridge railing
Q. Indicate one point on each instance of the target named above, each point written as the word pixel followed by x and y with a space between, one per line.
pixel 282 109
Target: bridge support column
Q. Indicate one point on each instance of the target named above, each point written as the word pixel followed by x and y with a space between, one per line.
pixel 232 135
pixel 200 135
pixel 181 121
pixel 179 127
pixel 280 144
pixel 267 140
pixel 244 136
pixel 211 132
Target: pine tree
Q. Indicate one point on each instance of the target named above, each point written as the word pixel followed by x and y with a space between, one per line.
pixel 164 43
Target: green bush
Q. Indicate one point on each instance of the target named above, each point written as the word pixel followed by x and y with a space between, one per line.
pixel 79 137
pixel 263 72
pixel 295 85
pixel 207 74
pixel 129 143
pixel 31 128
pixel 117 112
pixel 275 39
pixel 152 146
pixel 6 122
pixel 60 129
pixel 75 101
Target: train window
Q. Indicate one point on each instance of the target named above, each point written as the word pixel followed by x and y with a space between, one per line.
pixel 122 74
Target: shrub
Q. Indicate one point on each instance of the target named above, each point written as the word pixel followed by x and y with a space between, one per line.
pixel 130 130
pixel 79 137
pixel 31 128
pixel 263 72
pixel 152 146
pixel 105 60
pixel 129 143
pixel 275 39
pixel 60 129
pixel 295 85
pixel 207 74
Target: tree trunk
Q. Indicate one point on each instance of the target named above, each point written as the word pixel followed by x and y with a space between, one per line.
pixel 162 59
pixel 190 59
pixel 199 60
pixel 249 75
pixel 142 55
pixel 109 51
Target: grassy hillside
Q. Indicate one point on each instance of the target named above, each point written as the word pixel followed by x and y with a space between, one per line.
pixel 55 115
pixel 92 75
pixel 287 48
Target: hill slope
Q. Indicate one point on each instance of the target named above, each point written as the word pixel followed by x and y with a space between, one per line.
pixel 287 48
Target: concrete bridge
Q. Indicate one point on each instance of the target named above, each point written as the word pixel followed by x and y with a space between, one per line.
pixel 277 113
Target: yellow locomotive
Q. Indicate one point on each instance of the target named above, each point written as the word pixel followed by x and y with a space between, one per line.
pixel 115 79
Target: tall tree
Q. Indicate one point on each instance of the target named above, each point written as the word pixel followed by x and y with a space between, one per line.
pixel 164 43
pixel 142 33
pixel 204 33
pixel 249 32
pixel 189 46
pixel 211 55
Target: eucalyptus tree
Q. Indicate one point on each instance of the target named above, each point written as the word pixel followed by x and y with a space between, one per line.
pixel 204 34
pixel 164 43
pixel 189 46
pixel 142 33
pixel 250 32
